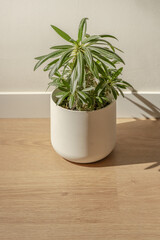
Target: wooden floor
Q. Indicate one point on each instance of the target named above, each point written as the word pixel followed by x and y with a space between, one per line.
pixel 44 197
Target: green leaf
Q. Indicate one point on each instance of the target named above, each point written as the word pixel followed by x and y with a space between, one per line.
pixel 80 67
pixel 108 43
pixel 102 58
pixel 106 69
pixel 89 59
pixel 127 84
pixel 96 73
pixel 106 35
pixel 114 92
pixel 62 47
pixel 50 65
pixel 81 100
pixel 82 29
pixel 64 35
pixel 91 38
pixel 114 56
pixel 83 96
pixel 55 82
pixel 120 91
pixel 62 88
pixel 65 83
pixel 84 82
pixel 41 57
pixel 62 98
pixel 121 86
pixel 50 55
pixel 56 74
pixel 71 101
pixel 108 53
pixel 101 41
pixel 105 99
pixel 118 49
pixel 90 62
pixel 100 86
pixel 117 73
pixel 100 69
pixel 74 80
pixel 52 83
pixel 99 99
pixel 59 94
pixel 88 89
pixel 59 63
pixel 101 89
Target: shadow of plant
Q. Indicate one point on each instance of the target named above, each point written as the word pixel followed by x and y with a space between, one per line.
pixel 147 106
pixel 138 142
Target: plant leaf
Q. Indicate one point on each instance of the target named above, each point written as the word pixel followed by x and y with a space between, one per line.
pixel 127 84
pixel 106 99
pixel 108 43
pixel 74 80
pixel 96 73
pixel 117 73
pixel 62 98
pixel 62 47
pixel 71 101
pixel 98 55
pixel 108 53
pixel 40 57
pixel 55 82
pixel 50 55
pixel 114 92
pixel 59 63
pixel 83 96
pixel 59 94
pixel 88 57
pixel 121 86
pixel 80 68
pixel 100 69
pixel 91 38
pixel 88 89
pixel 99 86
pixel 118 49
pixel 49 66
pixel 89 60
pixel 82 29
pixel 101 41
pixel 106 35
pixel 99 99
pixel 120 91
pixel 64 35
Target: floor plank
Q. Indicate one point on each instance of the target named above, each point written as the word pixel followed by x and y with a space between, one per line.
pixel 43 196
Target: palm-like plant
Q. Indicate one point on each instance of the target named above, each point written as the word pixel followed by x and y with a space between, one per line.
pixel 84 72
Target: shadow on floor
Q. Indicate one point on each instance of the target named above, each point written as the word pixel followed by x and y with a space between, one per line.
pixel 147 107
pixel 138 142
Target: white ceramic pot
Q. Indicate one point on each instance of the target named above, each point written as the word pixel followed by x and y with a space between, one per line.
pixel 83 136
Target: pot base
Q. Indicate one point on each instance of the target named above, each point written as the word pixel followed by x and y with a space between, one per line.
pixel 85 161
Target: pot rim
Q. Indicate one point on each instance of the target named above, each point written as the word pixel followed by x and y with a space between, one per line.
pixel 76 111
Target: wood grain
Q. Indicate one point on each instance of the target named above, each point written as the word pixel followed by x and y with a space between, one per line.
pixel 44 197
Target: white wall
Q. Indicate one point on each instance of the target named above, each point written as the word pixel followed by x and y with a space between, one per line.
pixel 25 33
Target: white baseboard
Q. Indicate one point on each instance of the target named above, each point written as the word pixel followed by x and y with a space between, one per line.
pixel 36 105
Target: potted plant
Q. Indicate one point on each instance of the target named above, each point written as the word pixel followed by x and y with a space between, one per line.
pixel 86 84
